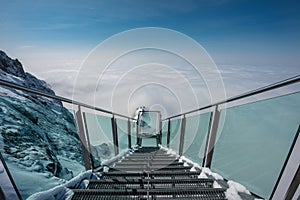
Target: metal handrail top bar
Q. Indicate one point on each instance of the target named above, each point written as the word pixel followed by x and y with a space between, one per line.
pixel 59 98
pixel 272 86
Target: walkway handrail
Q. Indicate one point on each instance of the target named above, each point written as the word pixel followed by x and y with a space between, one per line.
pixel 272 86
pixel 59 98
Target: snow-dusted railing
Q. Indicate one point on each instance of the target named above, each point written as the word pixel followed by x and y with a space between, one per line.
pixel 213 130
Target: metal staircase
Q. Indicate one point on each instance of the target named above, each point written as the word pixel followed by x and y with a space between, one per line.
pixel 150 173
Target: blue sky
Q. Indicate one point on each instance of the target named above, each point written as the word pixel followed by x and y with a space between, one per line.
pixel 238 32
pixel 256 39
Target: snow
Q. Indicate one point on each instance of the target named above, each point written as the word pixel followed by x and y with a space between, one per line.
pixel 216 185
pixel 62 191
pixel 30 182
pixel 7 92
pixel 117 158
pixel 234 188
pixel 202 175
pixel 209 172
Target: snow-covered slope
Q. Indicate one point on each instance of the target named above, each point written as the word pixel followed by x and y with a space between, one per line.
pixel 12 71
pixel 38 135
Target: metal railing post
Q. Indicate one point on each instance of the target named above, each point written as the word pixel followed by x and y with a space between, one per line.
pixel 129 133
pixel 182 133
pixel 294 185
pixel 83 139
pixel 17 193
pixel 115 134
pixel 169 134
pixel 160 130
pixel 211 138
pixel 289 177
pixel 88 140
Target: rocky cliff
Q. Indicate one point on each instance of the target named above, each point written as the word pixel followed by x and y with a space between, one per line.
pixel 37 134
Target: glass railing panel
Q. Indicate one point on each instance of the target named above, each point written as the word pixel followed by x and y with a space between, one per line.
pixel 252 146
pixel 39 142
pixel 122 134
pixel 195 137
pixel 133 133
pixel 99 129
pixel 149 128
pixel 164 133
pixel 175 134
pixel 7 190
pixel 150 123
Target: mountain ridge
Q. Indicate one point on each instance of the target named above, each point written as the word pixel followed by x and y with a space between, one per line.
pixel 38 135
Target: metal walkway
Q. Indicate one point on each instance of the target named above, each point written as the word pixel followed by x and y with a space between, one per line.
pixel 150 173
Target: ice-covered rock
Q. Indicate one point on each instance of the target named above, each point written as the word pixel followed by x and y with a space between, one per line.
pixel 10 66
pixel 12 70
pixel 37 134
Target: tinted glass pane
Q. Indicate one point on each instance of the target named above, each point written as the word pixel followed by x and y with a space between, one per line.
pixel 255 140
pixel 122 134
pixel 149 123
pixel 100 134
pixel 175 134
pixel 195 137
pixel 164 133
pixel 133 133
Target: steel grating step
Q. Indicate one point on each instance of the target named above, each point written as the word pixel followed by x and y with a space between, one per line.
pixel 160 157
pixel 150 174
pixel 162 153
pixel 149 149
pixel 177 193
pixel 131 159
pixel 150 168
pixel 153 174
pixel 150 183
pixel 142 163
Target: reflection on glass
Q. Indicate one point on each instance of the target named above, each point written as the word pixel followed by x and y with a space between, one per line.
pixel 175 134
pixel 101 140
pixel 122 134
pixel 149 126
pixel 164 133
pixel 149 123
pixel 133 133
pixel 39 143
pixel 7 190
pixel 255 141
pixel 195 137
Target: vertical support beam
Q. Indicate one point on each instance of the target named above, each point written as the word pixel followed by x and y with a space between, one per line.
pixel 289 176
pixel 206 142
pixel 83 139
pixel 138 130
pixel 169 134
pixel 160 130
pixel 294 185
pixel 211 138
pixel 115 134
pixel 6 170
pixel 88 140
pixel 182 133
pixel 129 133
